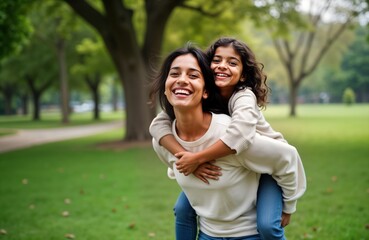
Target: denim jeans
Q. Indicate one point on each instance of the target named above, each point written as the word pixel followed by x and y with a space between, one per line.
pixel 203 236
pixel 269 207
pixel 269 212
pixel 185 219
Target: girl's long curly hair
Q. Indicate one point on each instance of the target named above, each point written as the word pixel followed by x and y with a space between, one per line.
pixel 252 70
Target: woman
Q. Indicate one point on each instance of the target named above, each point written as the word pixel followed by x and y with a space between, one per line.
pixel 225 208
pixel 242 85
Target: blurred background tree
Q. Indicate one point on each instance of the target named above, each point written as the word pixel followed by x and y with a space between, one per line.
pixel 307 47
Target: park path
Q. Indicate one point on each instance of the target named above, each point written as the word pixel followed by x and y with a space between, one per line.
pixel 32 137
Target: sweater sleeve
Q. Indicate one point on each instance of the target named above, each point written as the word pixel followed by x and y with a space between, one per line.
pixel 280 160
pixel 165 157
pixel 244 117
pixel 246 121
pixel 160 126
pixel 263 128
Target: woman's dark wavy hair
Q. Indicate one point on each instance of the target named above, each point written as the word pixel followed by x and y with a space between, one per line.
pixel 213 103
pixel 252 70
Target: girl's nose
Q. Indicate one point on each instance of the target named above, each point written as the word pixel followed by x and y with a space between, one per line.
pixel 222 64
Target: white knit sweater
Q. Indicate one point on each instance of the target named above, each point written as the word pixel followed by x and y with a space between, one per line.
pixel 227 207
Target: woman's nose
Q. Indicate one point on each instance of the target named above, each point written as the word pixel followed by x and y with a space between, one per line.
pixel 182 79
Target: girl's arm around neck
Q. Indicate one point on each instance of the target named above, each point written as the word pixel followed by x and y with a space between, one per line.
pixel 188 162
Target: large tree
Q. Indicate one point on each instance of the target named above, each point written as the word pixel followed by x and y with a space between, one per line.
pixel 301 50
pixel 133 61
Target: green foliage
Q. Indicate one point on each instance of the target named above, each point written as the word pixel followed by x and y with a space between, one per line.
pixel 112 194
pixel 348 96
pixel 14 25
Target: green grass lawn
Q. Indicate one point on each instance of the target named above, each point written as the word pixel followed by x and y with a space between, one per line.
pixel 53 120
pixel 109 194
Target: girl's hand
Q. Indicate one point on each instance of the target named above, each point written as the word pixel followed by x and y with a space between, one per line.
pixel 285 219
pixel 208 171
pixel 187 162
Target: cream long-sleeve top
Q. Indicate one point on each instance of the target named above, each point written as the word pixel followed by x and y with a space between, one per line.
pixel 247 119
pixel 227 207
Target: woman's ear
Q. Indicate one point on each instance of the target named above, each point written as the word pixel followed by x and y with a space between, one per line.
pixel 205 94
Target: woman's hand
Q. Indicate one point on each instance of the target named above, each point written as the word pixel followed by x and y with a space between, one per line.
pixel 208 171
pixel 187 162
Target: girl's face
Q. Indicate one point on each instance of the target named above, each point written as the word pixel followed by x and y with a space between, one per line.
pixel 185 85
pixel 227 67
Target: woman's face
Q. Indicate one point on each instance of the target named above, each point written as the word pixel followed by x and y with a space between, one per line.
pixel 185 86
pixel 227 67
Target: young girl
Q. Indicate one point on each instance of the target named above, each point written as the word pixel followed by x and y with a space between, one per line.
pixel 242 85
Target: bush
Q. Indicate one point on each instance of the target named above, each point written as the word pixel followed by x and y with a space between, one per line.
pixel 348 96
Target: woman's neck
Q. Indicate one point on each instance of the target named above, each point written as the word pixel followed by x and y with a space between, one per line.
pixel 191 126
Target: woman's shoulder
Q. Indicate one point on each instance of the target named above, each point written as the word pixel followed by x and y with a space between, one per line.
pixel 221 118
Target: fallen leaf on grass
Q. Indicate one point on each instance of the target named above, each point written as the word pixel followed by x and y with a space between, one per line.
pixel 3 232
pixel 367 226
pixel 67 201
pixel 307 236
pixel 65 214
pixel 32 206
pixel 25 181
pixel 316 229
pixel 70 236
pixel 114 210
pixel 151 234
pixel 334 178
pixel 132 225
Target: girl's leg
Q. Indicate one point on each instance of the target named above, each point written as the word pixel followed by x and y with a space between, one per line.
pixel 269 209
pixel 203 236
pixel 185 219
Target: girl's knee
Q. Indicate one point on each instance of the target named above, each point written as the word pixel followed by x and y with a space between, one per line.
pixel 270 230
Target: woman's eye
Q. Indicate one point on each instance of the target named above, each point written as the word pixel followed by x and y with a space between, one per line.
pixel 173 74
pixel 193 76
pixel 233 64
pixel 215 60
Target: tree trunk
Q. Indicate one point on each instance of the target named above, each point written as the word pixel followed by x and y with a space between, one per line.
pixel 63 77
pixel 293 99
pixel 24 104
pixel 8 97
pixel 93 84
pixel 36 106
pixel 114 100
pixel 117 30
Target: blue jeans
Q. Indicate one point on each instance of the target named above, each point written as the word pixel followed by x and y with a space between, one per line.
pixel 185 219
pixel 269 207
pixel 269 212
pixel 203 236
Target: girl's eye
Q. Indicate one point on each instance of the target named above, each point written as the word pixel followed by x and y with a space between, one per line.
pixel 193 76
pixel 216 60
pixel 233 64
